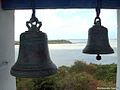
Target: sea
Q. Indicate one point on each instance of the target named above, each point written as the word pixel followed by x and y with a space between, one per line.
pixel 67 54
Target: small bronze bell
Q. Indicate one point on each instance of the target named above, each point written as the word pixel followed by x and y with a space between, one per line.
pixel 98 42
pixel 33 59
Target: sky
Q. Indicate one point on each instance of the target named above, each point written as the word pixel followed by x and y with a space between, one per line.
pixel 67 23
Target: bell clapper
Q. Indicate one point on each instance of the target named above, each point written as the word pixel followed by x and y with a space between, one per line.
pixel 98 57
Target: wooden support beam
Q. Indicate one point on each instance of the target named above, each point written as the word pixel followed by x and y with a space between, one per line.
pixel 59 4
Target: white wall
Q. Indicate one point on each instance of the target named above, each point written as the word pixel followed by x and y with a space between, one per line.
pixel 7 82
pixel 118 50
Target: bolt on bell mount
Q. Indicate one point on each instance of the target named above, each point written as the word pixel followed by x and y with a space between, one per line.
pixel 98 42
pixel 33 59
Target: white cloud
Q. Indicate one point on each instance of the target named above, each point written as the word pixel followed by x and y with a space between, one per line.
pixel 67 23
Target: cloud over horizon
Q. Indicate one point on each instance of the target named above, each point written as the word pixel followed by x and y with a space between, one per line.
pixel 66 23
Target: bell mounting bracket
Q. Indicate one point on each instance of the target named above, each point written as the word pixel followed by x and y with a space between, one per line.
pixel 33 22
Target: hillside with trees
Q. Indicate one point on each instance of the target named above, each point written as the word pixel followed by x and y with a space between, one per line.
pixel 79 76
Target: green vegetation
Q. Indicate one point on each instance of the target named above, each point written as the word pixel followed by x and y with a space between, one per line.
pixel 17 43
pixel 52 42
pixel 79 76
pixel 59 42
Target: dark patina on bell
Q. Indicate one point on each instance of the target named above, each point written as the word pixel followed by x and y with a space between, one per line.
pixel 33 59
pixel 98 42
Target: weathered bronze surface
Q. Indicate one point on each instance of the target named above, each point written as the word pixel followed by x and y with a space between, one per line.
pixel 33 59
pixel 98 42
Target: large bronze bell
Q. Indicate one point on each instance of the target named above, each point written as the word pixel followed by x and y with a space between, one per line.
pixel 33 59
pixel 98 42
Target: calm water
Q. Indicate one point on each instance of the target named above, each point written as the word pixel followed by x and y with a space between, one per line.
pixel 67 54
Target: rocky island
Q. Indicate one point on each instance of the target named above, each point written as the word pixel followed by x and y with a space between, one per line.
pixel 53 42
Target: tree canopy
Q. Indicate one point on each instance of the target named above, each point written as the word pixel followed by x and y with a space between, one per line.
pixel 79 76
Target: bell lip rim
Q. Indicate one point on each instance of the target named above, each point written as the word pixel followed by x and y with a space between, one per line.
pixel 111 51
pixel 98 52
pixel 31 75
